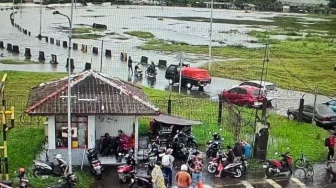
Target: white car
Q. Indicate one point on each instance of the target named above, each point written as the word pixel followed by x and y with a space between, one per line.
pixel 268 87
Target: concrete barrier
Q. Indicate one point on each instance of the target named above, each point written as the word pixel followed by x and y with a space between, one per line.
pixel 58 42
pixel 53 59
pixel 1 44
pixel 84 48
pixel 75 46
pixel 9 47
pixel 27 53
pixel 99 26
pixel 123 56
pixel 144 60
pixel 87 66
pixel 41 56
pixel 95 50
pixel 162 63
pixel 46 39
pixel 65 44
pixel 52 40
pixel 29 33
pixel 15 49
pixel 20 29
pixel 108 53
pixel 72 64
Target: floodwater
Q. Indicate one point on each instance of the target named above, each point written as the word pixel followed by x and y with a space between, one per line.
pixel 133 18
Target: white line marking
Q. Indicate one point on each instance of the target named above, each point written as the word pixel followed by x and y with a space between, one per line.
pixel 273 183
pixel 298 182
pixel 246 184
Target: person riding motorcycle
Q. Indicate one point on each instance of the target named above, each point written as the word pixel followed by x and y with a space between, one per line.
pixel 151 67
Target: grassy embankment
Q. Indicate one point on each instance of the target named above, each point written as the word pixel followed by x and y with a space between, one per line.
pixel 310 57
pixel 87 33
pixel 14 62
pixel 25 141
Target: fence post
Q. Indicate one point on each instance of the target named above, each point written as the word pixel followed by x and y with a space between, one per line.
pixel 301 109
pixel 220 109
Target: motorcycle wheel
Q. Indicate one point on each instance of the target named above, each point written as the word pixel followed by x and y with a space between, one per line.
pixel 269 172
pixel 123 179
pixel 194 145
pixel 99 177
pixel 36 173
pixel 212 168
pixel 238 173
pixel 208 153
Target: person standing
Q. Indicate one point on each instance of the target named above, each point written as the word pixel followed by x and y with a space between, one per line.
pixel 183 177
pixel 130 61
pixel 157 176
pixel 331 147
pixel 197 170
pixel 167 163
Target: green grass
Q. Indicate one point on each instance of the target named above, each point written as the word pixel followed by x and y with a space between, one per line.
pixel 87 36
pixel 140 34
pixel 25 141
pixel 81 30
pixel 87 33
pixel 283 133
pixel 17 62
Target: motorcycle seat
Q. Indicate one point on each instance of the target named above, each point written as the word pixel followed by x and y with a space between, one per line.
pixel 95 161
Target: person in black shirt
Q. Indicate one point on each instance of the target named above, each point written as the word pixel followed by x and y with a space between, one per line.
pixel 238 150
pixel 130 61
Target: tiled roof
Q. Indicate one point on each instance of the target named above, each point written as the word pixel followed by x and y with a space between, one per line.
pixel 91 93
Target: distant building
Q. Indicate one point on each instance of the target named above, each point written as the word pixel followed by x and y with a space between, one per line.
pixel 304 2
pixel 286 8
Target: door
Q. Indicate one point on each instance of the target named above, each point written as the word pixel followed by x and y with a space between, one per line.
pixel 307 114
pixel 242 97
pixel 232 95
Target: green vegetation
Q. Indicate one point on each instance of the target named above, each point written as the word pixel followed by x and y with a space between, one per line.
pixel 87 33
pixel 140 34
pixel 283 133
pixel 304 59
pixel 25 142
pixel 17 62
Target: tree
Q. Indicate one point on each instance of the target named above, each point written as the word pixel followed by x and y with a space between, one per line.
pixel 332 3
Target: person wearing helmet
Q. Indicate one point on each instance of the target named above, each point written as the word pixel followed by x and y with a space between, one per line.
pixel 151 67
pixel 183 177
pixel 130 61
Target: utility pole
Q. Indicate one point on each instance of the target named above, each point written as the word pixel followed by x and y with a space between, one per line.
pixel 101 57
pixel 180 72
pixel 315 96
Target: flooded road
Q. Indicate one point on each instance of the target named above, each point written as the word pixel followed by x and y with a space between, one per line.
pixel 133 18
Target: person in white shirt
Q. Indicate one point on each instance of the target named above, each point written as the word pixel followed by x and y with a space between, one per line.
pixel 167 163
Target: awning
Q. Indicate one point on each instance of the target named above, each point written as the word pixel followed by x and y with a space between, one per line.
pixel 175 120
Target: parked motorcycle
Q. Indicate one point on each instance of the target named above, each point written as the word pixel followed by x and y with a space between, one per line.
pixel 6 183
pixel 48 168
pixel 69 182
pixel 233 170
pixel 213 164
pixel 138 71
pixel 279 167
pixel 95 164
pixel 146 181
pixel 125 172
pixel 179 150
pixel 187 138
pixel 154 153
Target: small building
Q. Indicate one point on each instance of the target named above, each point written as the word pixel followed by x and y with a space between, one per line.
pixel 99 104
pixel 286 8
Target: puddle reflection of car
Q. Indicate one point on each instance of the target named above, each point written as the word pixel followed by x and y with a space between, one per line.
pixel 323 115
pixel 244 95
pixel 331 104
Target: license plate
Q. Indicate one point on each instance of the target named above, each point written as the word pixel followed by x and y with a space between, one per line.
pixel 265 166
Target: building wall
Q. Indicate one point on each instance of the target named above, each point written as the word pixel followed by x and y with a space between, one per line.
pixel 111 125
pixel 91 131
pixel 51 132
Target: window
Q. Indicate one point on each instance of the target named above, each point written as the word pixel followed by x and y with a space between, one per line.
pixel 242 91
pixel 79 131
pixel 257 92
pixel 271 87
pixel 234 90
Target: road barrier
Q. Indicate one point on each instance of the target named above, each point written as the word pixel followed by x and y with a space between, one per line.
pixel 123 56
pixel 144 60
pixel 65 44
pixel 99 26
pixel 108 53
pixel 95 50
pixel 46 39
pixel 53 59
pixel 84 48
pixel 1 44
pixel 72 64
pixel 162 63
pixel 15 49
pixel 58 42
pixel 75 46
pixel 87 66
pixel 41 56
pixel 9 47
pixel 52 40
pixel 27 53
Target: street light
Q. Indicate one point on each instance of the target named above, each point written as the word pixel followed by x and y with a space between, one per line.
pixel 69 84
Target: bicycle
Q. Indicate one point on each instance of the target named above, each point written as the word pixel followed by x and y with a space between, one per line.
pixel 303 163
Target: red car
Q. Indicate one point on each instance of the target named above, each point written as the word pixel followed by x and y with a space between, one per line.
pixel 244 95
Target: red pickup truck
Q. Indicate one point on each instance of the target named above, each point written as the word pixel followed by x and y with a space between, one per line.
pixel 191 76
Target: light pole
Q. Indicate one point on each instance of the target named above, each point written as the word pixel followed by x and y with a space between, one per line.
pixel 69 85
pixel 210 34
pixel 40 35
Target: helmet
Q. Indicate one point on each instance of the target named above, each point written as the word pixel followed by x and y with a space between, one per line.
pixel 129 57
pixel 22 170
pixel 58 156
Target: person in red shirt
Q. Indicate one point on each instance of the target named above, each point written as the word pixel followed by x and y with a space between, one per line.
pixel 331 146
